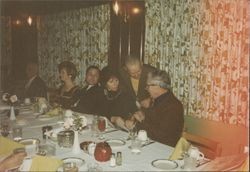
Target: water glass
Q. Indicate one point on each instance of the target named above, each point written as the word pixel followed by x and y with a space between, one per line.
pixel 5 127
pixel 136 146
pixel 189 163
pixel 70 167
pixel 94 167
pixel 17 133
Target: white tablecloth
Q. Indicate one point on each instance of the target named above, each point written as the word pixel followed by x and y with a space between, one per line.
pixel 32 128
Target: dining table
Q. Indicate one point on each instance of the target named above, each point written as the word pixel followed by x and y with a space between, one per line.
pixel 32 124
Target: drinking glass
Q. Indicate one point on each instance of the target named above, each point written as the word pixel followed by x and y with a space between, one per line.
pixel 70 167
pixel 136 146
pixel 5 127
pixel 101 127
pixel 17 133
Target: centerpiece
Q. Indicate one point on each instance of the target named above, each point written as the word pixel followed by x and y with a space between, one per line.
pixel 76 123
pixel 10 99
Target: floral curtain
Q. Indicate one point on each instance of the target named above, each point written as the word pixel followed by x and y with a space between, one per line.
pixel 5 50
pixel 80 36
pixel 204 45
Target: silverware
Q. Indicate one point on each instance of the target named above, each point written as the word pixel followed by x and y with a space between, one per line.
pixel 110 131
pixel 149 143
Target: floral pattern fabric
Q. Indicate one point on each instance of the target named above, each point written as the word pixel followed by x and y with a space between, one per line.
pixel 204 45
pixel 80 36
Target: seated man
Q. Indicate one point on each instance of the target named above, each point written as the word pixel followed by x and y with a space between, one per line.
pixel 91 92
pixel 164 120
pixel 35 86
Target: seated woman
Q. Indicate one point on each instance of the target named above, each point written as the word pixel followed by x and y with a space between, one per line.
pixel 68 94
pixel 164 120
pixel 115 102
pixel 90 94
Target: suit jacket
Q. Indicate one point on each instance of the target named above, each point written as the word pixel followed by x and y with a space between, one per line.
pixel 37 88
pixel 90 100
pixel 164 120
pixel 126 84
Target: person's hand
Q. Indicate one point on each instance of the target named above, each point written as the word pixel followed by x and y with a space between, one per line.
pixel 12 161
pixel 118 121
pixel 130 124
pixel 139 116
pixel 146 103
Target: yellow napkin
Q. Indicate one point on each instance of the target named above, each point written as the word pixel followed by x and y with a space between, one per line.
pixel 181 147
pixel 43 163
pixel 7 146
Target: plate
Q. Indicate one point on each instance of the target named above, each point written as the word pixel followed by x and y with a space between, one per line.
pixel 79 162
pixel 164 164
pixel 115 143
pixel 21 122
pixel 30 141
pixel 46 117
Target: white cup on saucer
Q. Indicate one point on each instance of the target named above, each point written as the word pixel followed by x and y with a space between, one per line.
pixel 27 101
pixel 142 135
pixel 194 152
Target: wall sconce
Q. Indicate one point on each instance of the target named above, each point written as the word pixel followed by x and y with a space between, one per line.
pixel 124 9
pixel 29 20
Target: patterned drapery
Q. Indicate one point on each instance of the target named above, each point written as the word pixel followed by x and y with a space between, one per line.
pixel 81 36
pixel 204 45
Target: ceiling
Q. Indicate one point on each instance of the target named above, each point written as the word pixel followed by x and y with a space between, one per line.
pixel 17 8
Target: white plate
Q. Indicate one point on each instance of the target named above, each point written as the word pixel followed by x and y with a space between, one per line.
pixel 79 162
pixel 21 122
pixel 164 164
pixel 115 143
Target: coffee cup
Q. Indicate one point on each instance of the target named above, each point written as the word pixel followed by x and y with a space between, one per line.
pixel 194 152
pixel 142 135
pixel 27 101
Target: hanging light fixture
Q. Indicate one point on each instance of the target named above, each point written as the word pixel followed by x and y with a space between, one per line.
pixel 29 20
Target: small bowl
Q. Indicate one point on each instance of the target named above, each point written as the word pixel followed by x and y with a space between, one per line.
pixel 84 145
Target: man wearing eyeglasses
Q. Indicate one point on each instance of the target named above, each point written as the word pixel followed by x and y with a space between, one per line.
pixel 133 80
pixel 164 120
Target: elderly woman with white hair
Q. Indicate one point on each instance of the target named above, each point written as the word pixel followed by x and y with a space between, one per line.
pixel 164 120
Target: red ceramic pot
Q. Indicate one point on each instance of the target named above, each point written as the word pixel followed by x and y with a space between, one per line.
pixel 103 152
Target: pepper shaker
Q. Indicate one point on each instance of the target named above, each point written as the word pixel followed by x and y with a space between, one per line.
pixel 119 158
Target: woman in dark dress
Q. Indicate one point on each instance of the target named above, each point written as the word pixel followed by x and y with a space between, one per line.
pixel 115 102
pixel 68 94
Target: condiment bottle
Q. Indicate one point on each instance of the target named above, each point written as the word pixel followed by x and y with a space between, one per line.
pixel 112 160
pixel 119 158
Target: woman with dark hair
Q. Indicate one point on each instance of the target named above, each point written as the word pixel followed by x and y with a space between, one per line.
pixel 68 93
pixel 116 104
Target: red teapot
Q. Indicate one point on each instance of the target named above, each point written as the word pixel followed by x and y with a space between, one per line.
pixel 103 152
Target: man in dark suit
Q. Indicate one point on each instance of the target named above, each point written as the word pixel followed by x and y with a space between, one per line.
pixel 35 86
pixel 133 80
pixel 90 94
pixel 164 120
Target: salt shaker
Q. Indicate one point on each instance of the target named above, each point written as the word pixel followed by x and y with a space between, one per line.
pixel 119 158
pixel 112 160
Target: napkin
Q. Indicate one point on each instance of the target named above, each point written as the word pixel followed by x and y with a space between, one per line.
pixel 181 147
pixel 43 163
pixel 7 146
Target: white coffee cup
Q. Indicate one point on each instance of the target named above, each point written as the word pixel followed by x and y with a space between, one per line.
pixel 194 152
pixel 142 135
pixel 27 101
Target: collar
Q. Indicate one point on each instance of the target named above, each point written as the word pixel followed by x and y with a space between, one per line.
pixel 161 97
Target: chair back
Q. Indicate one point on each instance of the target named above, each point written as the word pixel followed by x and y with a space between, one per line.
pixel 210 148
